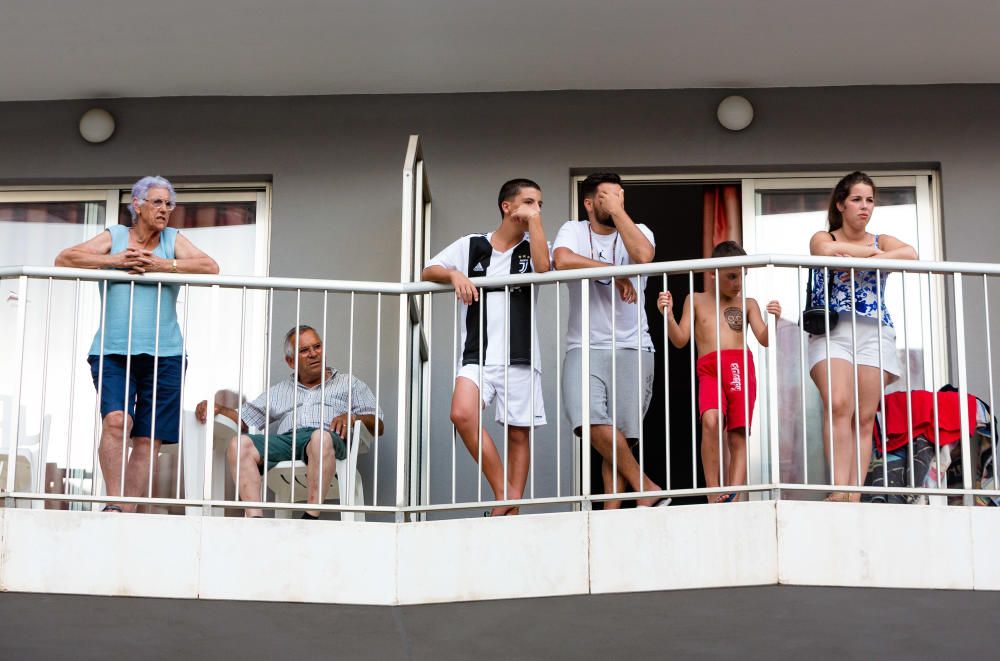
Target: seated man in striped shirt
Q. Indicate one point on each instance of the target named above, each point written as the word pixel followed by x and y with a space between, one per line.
pixel 293 415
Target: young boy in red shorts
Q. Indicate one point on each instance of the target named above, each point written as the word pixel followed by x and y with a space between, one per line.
pixel 722 359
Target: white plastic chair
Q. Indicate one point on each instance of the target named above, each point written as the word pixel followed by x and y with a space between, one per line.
pixel 195 436
pixel 351 490
pixel 29 465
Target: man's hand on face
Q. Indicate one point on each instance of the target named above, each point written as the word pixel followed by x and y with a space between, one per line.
pixel 613 202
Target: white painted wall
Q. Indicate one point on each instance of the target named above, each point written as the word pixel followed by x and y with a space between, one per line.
pixel 666 548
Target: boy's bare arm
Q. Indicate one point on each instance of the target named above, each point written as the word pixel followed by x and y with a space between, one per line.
pixel 757 323
pixel 680 333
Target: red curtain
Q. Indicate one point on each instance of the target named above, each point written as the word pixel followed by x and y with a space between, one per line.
pixel 721 220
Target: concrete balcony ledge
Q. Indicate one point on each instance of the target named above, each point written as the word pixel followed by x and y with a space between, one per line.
pixel 672 548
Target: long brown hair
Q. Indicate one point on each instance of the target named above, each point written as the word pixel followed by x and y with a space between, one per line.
pixel 840 192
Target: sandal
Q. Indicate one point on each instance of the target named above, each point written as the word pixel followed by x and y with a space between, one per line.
pixel 112 508
pixel 662 502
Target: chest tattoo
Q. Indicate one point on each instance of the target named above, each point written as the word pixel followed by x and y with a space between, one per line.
pixel 734 317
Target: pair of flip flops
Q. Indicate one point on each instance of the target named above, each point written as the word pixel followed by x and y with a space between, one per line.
pixel 728 498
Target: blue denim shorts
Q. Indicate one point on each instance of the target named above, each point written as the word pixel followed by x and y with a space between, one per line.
pixel 139 402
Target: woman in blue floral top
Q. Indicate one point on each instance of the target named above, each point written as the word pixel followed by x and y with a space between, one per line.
pixel 851 206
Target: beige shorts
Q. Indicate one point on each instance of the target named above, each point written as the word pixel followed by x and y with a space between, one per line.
pixel 867 340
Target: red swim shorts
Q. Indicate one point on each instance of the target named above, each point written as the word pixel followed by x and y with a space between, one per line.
pixel 737 408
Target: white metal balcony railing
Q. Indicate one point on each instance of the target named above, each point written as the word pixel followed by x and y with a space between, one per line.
pixel 64 471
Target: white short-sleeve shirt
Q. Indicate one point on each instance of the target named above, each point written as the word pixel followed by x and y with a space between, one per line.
pixel 631 330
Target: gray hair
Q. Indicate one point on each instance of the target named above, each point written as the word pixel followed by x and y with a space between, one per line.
pixel 290 337
pixel 141 189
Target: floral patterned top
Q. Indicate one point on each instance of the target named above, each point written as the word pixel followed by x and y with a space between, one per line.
pixel 865 292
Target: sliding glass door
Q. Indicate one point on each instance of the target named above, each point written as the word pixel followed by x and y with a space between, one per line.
pixel 779 217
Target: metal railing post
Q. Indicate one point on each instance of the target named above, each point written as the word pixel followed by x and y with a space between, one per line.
pixel 963 389
pixel 585 503
pixel 211 387
pixel 22 319
pixel 773 435
pixel 402 407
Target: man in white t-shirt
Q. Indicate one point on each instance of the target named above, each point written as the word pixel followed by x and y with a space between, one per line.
pixel 609 237
pixel 503 357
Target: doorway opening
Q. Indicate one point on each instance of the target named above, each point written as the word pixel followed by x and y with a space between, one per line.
pixel 687 219
pixel 772 212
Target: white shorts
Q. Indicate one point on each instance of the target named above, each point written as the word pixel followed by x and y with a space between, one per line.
pixel 518 404
pixel 868 338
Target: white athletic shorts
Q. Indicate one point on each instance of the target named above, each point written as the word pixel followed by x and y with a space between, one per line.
pixel 867 339
pixel 518 403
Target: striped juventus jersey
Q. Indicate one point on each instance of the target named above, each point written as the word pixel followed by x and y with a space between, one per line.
pixel 475 256
pixel 287 400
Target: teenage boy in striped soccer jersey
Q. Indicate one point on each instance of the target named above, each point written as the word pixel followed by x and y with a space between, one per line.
pixel 518 245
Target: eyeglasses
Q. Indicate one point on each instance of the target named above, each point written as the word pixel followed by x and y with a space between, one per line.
pixel 170 205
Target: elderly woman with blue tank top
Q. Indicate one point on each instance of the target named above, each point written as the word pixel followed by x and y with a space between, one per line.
pixel 851 206
pixel 145 346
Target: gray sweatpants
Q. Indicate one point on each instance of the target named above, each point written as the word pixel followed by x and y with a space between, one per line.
pixel 626 388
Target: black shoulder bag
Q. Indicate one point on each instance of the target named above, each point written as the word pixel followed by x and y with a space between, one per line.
pixel 814 318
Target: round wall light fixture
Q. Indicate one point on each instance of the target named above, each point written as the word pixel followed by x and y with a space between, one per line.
pixel 735 113
pixel 96 125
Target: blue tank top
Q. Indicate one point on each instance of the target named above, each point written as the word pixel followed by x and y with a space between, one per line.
pixel 866 292
pixel 144 330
